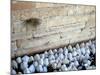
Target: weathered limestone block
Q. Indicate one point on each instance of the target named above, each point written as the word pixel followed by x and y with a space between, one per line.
pixel 52 39
pixel 13 46
pixel 40 48
pixel 46 4
pixel 43 5
pixel 62 20
pixel 19 5
pixel 81 38
pixel 19 42
pixel 23 35
pixel 19 27
pixel 51 31
pixel 91 22
pixel 55 21
pixel 54 11
pixel 60 29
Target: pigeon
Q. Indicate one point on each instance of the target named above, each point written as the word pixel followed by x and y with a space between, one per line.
pixel 46 62
pixel 50 52
pixel 40 61
pixel 60 50
pixel 35 63
pixel 87 56
pixel 76 63
pixel 65 51
pixel 61 56
pixel 54 65
pixel 37 57
pixel 45 69
pixel 14 64
pixel 24 65
pixel 19 73
pixel 55 55
pixel 74 49
pixel 74 68
pixel 19 60
pixel 32 68
pixel 55 51
pixel 42 56
pixel 77 46
pixel 65 61
pixel 51 61
pixel 13 72
pixel 25 58
pixel 64 68
pixel 82 45
pixel 39 68
pixel 74 53
pixel 46 54
pixel 70 48
pixel 27 71
pixel 31 58
pixel 51 57
pixel 58 65
pixel 87 50
pixel 82 50
pixel 70 57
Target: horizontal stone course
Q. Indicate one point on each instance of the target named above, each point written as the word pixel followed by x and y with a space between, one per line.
pixel 53 11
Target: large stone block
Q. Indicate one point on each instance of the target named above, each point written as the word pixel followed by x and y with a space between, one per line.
pixel 19 26
pixel 54 11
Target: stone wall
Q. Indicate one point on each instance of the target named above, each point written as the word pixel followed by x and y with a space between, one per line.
pixel 61 24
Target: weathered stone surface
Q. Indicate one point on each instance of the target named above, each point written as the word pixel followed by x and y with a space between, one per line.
pixel 54 11
pixel 51 31
pixel 13 46
pixel 91 22
pixel 61 24
pixel 19 27
pixel 54 22
pixel 22 5
pixel 36 42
